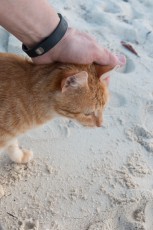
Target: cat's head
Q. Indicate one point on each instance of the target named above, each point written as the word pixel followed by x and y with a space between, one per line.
pixel 83 94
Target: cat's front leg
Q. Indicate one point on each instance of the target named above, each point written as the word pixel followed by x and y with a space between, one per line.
pixel 17 154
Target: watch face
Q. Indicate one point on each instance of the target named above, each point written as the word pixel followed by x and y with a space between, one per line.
pixel 39 51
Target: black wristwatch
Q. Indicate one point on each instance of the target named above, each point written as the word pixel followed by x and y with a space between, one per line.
pixel 49 42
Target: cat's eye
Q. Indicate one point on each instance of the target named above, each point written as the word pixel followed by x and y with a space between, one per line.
pixel 89 113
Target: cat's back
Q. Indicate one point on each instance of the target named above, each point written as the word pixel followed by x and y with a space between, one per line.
pixel 13 76
pixel 13 71
pixel 10 63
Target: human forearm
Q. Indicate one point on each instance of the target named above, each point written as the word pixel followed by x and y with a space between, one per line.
pixel 30 21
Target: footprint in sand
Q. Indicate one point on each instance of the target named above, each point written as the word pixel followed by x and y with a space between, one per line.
pixel 59 128
pixel 116 100
pixel 127 225
pixel 144 215
pixel 119 223
pixel 149 215
pixel 130 66
pixel 142 136
pixel 139 214
pixel 105 225
pixel 112 8
pixel 124 223
pixel 132 217
pixel 95 16
pixel 136 215
pixel 28 224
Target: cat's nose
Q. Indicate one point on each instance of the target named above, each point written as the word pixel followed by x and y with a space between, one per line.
pixel 99 122
pixel 99 118
pixel 99 125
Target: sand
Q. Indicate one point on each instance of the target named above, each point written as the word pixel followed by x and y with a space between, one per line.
pixel 91 179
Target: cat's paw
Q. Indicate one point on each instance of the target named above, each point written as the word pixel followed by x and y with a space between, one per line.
pixel 19 155
pixel 27 156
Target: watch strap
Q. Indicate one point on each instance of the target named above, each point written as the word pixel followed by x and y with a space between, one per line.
pixel 49 42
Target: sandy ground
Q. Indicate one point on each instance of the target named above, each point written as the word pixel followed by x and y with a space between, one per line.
pixel 91 179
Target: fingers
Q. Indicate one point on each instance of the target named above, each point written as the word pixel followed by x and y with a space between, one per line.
pixel 101 55
pixel 105 57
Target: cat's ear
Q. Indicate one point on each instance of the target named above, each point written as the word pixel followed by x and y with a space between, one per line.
pixel 101 69
pixel 75 81
pixel 104 71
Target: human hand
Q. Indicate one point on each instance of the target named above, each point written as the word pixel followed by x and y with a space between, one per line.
pixel 80 48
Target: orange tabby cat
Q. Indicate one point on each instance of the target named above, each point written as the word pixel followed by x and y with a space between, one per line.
pixel 32 94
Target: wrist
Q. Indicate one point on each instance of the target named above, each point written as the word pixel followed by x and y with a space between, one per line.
pixel 53 54
pixel 49 42
pixel 40 31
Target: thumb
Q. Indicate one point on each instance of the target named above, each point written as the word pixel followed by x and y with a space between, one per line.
pixel 105 57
